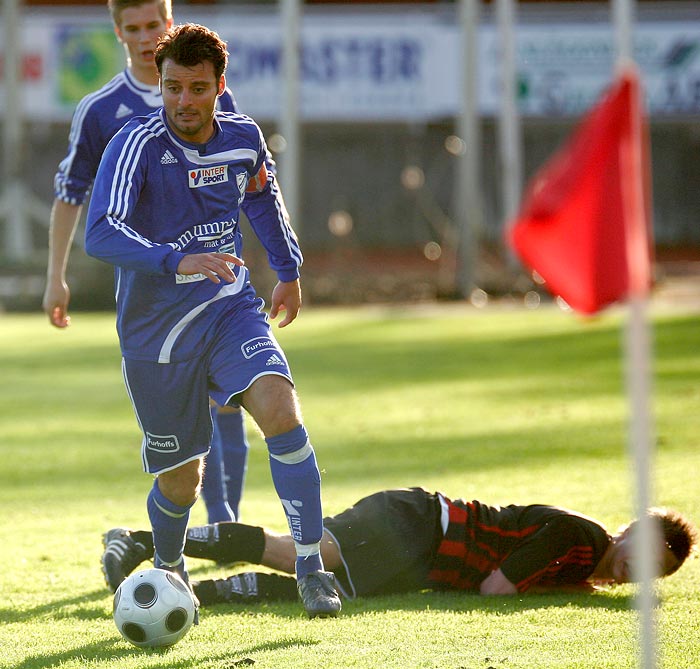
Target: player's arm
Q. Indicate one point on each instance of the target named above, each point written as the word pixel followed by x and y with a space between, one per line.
pixel 496 583
pixel 264 208
pixel 71 185
pixel 268 218
pixel 62 225
pixel 109 237
pixel 215 266
pixel 560 552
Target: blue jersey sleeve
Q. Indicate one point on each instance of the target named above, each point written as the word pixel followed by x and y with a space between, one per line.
pixel 85 145
pixel 108 235
pixel 264 207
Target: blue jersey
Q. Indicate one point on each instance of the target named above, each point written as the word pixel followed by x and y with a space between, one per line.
pixel 157 198
pixel 97 118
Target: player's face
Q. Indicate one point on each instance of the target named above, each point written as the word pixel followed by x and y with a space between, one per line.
pixel 189 98
pixel 139 29
pixel 623 560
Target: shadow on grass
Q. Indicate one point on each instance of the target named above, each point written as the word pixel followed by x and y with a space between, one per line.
pixel 429 601
pixel 114 650
pixel 456 602
pixel 85 607
pixel 77 607
pixel 59 609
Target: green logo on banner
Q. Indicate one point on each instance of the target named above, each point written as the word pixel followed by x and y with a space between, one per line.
pixel 89 56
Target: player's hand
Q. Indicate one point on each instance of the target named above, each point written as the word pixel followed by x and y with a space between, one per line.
pixel 496 583
pixel 215 266
pixel 55 303
pixel 286 296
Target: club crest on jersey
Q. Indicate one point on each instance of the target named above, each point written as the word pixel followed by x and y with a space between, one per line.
pixel 208 176
pixel 242 183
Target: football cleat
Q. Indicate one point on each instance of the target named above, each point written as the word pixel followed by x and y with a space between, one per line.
pixel 318 594
pixel 121 556
pixel 195 599
pixel 181 572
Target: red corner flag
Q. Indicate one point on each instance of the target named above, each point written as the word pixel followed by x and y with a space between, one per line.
pixel 584 223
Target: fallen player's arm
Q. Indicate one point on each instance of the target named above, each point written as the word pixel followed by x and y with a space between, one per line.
pixel 497 584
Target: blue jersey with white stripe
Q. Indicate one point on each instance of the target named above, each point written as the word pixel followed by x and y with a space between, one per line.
pixel 157 198
pixel 97 118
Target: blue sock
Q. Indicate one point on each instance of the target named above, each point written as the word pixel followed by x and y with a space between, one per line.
pixel 213 487
pixel 169 526
pixel 229 427
pixel 298 484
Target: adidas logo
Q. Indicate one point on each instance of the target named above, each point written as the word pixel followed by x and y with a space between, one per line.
pixel 123 111
pixel 168 158
pixel 274 359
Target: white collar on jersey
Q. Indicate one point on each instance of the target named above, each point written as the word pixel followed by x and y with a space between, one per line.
pixel 193 151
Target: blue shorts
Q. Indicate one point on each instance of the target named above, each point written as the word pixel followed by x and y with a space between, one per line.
pixel 171 401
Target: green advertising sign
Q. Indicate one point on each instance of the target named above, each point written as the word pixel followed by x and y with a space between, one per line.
pixel 88 57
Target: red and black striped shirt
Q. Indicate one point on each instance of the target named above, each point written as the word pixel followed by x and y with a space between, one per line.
pixel 532 545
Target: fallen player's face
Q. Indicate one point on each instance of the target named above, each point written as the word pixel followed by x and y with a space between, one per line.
pixel 189 98
pixel 623 559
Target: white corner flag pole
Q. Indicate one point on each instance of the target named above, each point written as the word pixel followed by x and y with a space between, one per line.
pixel 638 347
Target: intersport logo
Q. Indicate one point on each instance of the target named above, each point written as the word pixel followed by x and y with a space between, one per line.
pixel 208 176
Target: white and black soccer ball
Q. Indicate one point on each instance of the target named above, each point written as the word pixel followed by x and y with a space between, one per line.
pixel 153 607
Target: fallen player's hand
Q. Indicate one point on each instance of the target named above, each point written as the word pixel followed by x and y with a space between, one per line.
pixel 215 266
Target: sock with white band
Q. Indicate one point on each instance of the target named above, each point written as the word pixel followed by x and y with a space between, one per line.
pixel 298 484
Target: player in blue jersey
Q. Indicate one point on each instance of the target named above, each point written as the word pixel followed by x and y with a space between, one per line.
pixel 165 208
pixel 138 24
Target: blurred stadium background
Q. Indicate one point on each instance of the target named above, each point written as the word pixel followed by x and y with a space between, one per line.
pixel 381 97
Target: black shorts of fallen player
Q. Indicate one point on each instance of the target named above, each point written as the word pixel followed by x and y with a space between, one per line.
pixel 387 542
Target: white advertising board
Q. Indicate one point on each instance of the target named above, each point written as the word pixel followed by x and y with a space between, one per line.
pixel 375 67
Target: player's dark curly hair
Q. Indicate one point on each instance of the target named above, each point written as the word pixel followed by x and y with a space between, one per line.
pixel 679 534
pixel 190 44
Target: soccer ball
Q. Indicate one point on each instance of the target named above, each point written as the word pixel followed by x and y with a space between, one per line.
pixel 153 607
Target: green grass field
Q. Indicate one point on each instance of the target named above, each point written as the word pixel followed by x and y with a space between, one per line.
pixel 503 405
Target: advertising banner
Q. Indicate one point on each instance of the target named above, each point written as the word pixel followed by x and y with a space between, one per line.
pixel 374 66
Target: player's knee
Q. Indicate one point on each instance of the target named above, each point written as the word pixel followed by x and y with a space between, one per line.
pixel 272 402
pixel 181 486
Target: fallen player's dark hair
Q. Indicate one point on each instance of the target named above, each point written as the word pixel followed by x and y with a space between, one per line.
pixel 679 534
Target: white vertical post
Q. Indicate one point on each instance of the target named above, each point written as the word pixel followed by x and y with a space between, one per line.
pixel 623 19
pixel 638 356
pixel 290 158
pixel 468 211
pixel 638 352
pixel 509 120
pixel 17 240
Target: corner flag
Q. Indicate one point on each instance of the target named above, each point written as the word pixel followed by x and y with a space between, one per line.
pixel 580 226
